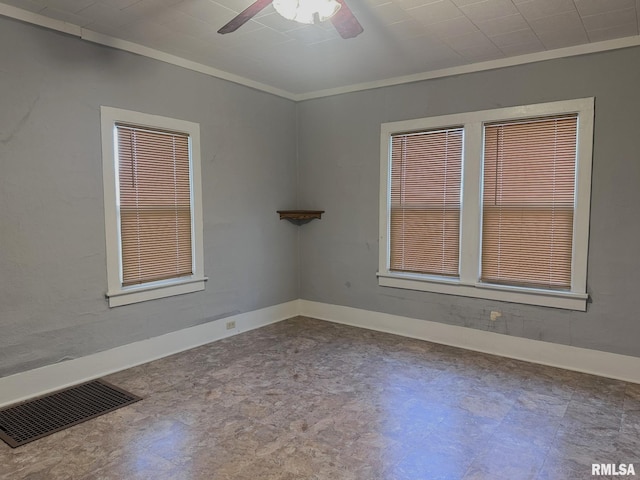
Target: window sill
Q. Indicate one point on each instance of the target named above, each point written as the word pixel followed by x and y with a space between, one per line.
pixel 152 291
pixel 527 296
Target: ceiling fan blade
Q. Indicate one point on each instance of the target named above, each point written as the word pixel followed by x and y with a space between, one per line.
pixel 345 22
pixel 244 16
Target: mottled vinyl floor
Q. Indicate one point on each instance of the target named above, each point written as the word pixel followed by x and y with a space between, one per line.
pixel 307 399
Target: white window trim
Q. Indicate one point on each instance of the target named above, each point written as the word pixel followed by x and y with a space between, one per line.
pixel 116 293
pixel 468 283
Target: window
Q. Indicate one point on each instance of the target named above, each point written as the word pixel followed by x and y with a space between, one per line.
pixel 426 169
pixel 527 202
pixel 153 209
pixel 491 204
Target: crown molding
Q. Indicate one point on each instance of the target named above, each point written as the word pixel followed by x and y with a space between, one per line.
pixel 576 50
pixel 113 42
pixel 138 49
pixel 106 40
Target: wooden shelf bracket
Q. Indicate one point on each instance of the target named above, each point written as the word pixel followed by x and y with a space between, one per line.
pixel 300 217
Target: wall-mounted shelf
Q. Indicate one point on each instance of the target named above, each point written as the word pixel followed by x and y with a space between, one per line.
pixel 300 217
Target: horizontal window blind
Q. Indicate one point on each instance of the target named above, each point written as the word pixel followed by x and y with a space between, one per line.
pixel 528 202
pixel 155 204
pixel 426 173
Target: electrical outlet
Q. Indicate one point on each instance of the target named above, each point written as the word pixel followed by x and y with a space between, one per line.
pixel 231 325
pixel 495 315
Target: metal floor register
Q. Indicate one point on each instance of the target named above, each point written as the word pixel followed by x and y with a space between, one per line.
pixel 42 416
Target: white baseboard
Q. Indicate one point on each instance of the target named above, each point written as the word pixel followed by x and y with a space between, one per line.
pixel 595 362
pixel 40 381
pixel 43 380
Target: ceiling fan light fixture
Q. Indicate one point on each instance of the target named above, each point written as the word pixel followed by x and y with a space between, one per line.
pixel 305 11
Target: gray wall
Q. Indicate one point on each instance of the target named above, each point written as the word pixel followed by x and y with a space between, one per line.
pixel 339 172
pixel 52 241
pixel 52 244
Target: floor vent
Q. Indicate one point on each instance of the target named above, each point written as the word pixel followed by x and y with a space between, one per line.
pixel 37 418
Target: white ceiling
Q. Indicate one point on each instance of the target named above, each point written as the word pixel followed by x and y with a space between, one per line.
pixel 400 38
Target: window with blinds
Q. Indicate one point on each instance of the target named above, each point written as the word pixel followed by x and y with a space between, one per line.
pixel 490 204
pixel 155 212
pixel 528 202
pixel 426 172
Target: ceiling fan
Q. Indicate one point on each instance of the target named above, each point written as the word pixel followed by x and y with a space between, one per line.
pixel 303 11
